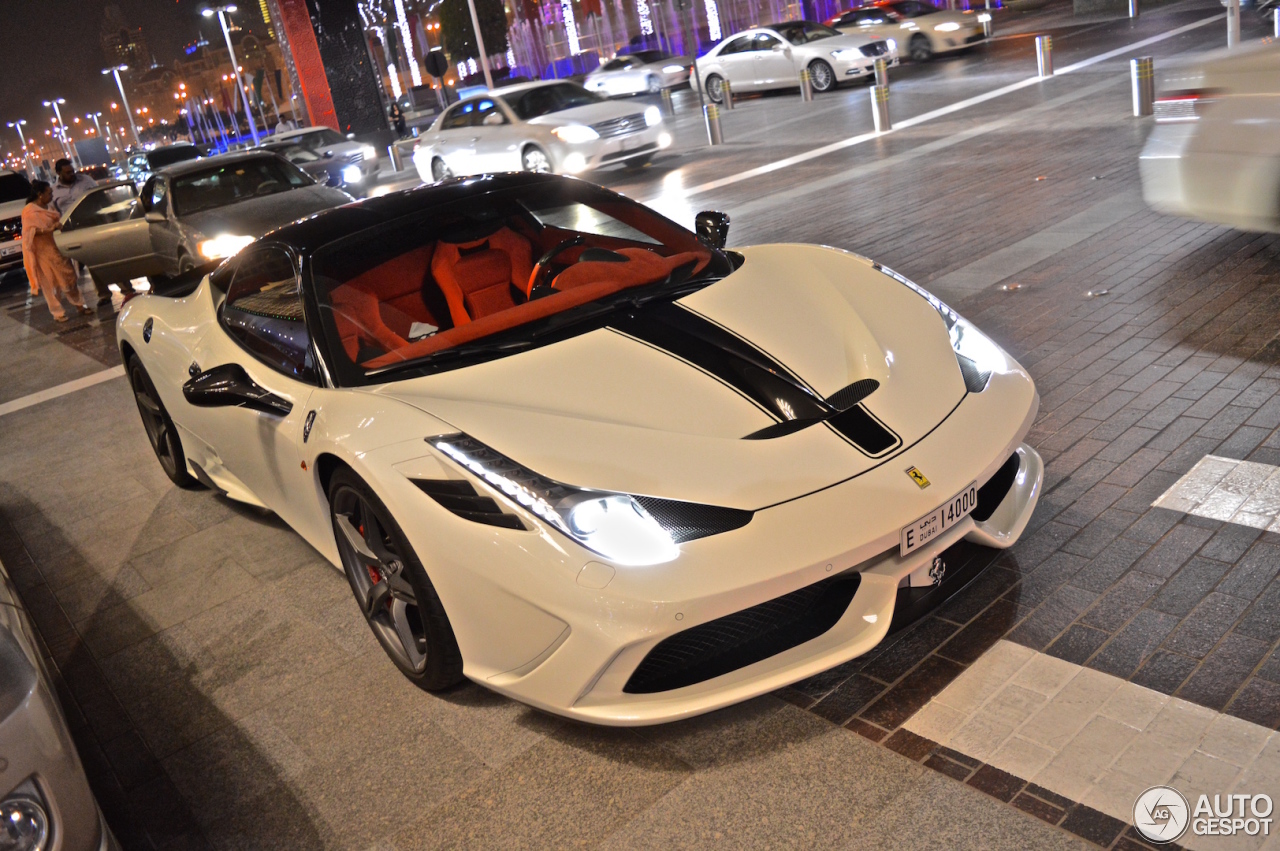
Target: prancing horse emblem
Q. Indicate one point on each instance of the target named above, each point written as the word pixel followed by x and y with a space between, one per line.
pixel 937 570
pixel 918 477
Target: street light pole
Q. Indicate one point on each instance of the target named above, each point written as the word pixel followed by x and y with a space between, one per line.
pixel 128 113
pixel 484 58
pixel 95 116
pixel 22 137
pixel 221 12
pixel 67 146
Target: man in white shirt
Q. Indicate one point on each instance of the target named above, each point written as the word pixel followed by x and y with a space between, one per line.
pixel 69 188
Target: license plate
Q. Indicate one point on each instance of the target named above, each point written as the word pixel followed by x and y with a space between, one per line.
pixel 10 249
pixel 939 520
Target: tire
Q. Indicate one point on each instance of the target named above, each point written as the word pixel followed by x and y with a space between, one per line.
pixel 391 586
pixel 534 159
pixel 821 76
pixel 654 85
pixel 160 282
pixel 919 48
pixel 439 171
pixel 715 88
pixel 161 433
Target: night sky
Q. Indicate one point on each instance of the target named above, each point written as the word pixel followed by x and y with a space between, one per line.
pixel 51 48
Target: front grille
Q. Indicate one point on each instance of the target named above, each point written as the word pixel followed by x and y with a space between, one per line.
pixel 1175 109
pixel 357 157
pixel 620 126
pixel 461 498
pixel 875 48
pixel 996 489
pixel 10 228
pixel 743 638
pixel 687 521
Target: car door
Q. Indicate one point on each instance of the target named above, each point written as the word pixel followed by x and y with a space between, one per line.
pixel 165 234
pixel 497 137
pixel 736 61
pixel 456 138
pixel 107 230
pixel 261 327
pixel 774 67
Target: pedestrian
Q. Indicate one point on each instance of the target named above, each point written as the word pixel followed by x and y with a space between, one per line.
pixel 69 188
pixel 47 270
pixel 397 118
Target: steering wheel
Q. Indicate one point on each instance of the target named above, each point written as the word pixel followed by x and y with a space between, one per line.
pixel 266 187
pixel 541 268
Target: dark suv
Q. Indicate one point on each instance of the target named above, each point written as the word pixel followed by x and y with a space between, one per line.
pixel 14 189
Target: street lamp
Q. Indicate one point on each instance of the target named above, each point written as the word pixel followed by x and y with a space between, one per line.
pixel 222 12
pixel 62 127
pixel 95 116
pixel 124 99
pixel 17 126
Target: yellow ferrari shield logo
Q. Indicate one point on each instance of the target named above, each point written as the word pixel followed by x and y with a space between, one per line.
pixel 918 477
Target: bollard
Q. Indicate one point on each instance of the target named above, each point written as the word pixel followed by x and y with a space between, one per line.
pixel 987 29
pixel 397 159
pixel 880 108
pixel 1233 23
pixel 668 105
pixel 882 71
pixel 806 88
pixel 726 94
pixel 1044 55
pixel 1142 75
pixel 712 113
pixel 1133 8
pixel 1275 24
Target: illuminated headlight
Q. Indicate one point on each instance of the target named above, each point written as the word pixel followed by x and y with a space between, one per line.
pixel 24 824
pixel 352 174
pixel 611 524
pixel 653 116
pixel 575 134
pixel 983 17
pixel 574 162
pixel 949 26
pixel 848 53
pixel 664 140
pixel 672 69
pixel 892 45
pixel 223 245
pixel 370 152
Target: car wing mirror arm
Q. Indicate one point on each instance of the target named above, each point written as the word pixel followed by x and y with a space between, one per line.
pixel 229 386
pixel 712 228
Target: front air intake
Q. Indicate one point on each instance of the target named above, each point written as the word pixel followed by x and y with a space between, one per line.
pixel 460 497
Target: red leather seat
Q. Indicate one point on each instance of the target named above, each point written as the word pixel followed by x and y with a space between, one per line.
pixel 476 277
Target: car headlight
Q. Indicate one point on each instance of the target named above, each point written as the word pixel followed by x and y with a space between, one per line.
pixel 352 174
pixel 223 245
pixel 611 524
pixel 672 69
pixel 949 26
pixel 24 824
pixel 892 45
pixel 977 355
pixel 653 116
pixel 575 134
pixel 847 53
pixel 983 17
pixel 369 151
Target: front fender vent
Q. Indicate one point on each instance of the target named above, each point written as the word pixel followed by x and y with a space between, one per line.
pixel 460 497
pixel 846 397
pixel 686 521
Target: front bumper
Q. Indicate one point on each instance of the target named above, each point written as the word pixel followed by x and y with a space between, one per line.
pixel 10 255
pixel 575 159
pixel 860 66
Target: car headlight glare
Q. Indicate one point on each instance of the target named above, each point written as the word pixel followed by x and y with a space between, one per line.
pixel 672 69
pixel 369 151
pixel 653 116
pixel 893 45
pixel 847 53
pixel 947 27
pixel 224 245
pixel 575 134
pixel 24 824
pixel 352 174
pixel 611 524
pixel 983 17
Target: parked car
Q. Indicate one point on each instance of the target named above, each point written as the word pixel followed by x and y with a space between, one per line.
pixel 563 447
pixel 1212 154
pixel 188 214
pixel 648 71
pixel 14 189
pixel 47 802
pixel 140 165
pixel 324 167
pixel 556 126
pixel 920 27
pixel 99 172
pixel 329 143
pixel 773 57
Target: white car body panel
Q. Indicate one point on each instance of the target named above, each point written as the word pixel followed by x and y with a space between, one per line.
pixel 780 67
pixel 643 77
pixel 946 30
pixel 548 622
pixel 1224 166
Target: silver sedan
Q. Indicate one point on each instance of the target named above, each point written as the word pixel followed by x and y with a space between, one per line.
pixel 644 71
pixel 555 126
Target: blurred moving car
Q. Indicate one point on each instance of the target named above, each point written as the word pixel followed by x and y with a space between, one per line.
pixel 324 167
pixel 922 28
pixel 556 126
pixel 1213 154
pixel 188 215
pixel 327 142
pixel 47 802
pixel 772 58
pixel 100 173
pixel 142 164
pixel 14 188
pixel 648 71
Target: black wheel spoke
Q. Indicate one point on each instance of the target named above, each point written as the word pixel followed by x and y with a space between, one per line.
pixel 376 601
pixel 415 646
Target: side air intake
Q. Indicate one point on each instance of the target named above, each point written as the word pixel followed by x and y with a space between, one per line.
pixel 460 497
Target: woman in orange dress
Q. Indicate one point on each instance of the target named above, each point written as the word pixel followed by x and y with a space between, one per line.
pixel 47 270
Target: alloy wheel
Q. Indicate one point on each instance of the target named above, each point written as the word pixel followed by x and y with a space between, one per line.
pixel 439 171
pixel 920 48
pixel 654 86
pixel 536 160
pixel 715 88
pixel 821 76
pixel 160 430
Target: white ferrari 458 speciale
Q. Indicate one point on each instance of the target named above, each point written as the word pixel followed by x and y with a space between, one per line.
pixel 563 447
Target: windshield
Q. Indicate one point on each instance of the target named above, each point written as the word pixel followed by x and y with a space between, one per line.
pixel 234 182
pixel 161 157
pixel 320 138
pixel 440 288
pixel 544 100
pixel 296 153
pixel 13 187
pixel 802 32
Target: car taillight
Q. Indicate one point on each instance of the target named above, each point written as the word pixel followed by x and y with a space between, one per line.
pixel 1176 107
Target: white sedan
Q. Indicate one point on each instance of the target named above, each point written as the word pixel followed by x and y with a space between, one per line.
pixel 1212 154
pixel 645 71
pixel 556 126
pixel 773 57
pixel 922 28
pixel 563 447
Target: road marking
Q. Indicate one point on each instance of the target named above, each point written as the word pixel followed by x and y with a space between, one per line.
pixel 1093 737
pixel 1243 492
pixel 61 390
pixel 939 112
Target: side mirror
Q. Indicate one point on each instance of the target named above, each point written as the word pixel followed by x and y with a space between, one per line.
pixel 712 228
pixel 351 136
pixel 155 217
pixel 229 386
pixel 493 119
